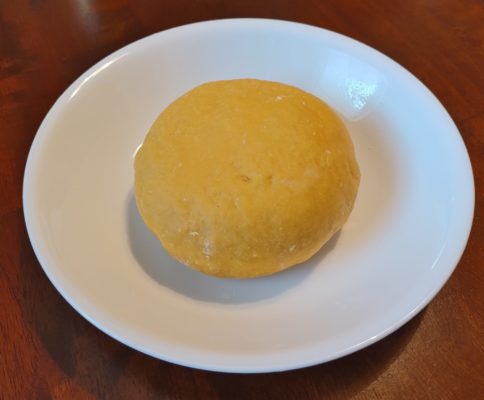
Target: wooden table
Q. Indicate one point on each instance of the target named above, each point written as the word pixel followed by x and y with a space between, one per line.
pixel 48 351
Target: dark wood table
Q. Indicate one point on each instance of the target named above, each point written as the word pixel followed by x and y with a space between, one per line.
pixel 48 351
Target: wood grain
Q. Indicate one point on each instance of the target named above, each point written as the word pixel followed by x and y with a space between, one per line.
pixel 47 351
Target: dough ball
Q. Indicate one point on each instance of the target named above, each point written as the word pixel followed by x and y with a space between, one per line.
pixel 244 178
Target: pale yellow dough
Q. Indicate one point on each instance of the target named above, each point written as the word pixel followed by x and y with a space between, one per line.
pixel 244 178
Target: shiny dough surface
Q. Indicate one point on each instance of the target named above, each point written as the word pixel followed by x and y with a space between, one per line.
pixel 245 178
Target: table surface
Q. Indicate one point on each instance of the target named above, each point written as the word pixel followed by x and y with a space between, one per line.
pixel 48 351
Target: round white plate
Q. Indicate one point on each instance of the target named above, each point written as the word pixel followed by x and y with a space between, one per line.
pixel 403 240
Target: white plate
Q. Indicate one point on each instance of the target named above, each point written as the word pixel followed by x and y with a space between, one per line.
pixel 405 236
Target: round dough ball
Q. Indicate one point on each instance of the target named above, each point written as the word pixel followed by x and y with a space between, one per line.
pixel 244 178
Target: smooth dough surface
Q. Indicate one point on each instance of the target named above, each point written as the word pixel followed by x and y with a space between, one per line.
pixel 244 178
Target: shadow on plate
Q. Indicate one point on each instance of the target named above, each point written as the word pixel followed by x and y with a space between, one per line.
pixel 156 262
